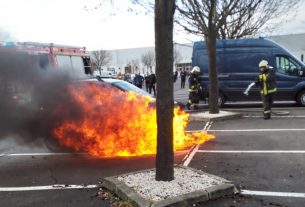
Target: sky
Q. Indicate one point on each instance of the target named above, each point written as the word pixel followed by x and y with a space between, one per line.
pixel 86 23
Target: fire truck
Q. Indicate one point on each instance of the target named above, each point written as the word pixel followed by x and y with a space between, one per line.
pixel 69 58
pixel 72 60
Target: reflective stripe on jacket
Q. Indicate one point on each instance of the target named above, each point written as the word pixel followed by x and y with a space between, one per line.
pixel 266 81
pixel 194 84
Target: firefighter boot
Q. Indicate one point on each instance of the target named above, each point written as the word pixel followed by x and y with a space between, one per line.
pixel 267 116
pixel 188 106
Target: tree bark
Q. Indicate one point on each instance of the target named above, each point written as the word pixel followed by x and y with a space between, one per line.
pixel 211 45
pixel 164 13
pixel 213 76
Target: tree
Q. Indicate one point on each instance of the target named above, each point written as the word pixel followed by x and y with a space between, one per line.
pixel 134 63
pixel 101 58
pixel 148 60
pixel 227 18
pixel 164 23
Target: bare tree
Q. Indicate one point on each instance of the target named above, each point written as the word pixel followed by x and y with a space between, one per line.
pixel 226 19
pixel 134 63
pixel 101 58
pixel 148 60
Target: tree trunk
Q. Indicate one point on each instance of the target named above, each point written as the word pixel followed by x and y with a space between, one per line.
pixel 164 12
pixel 211 46
pixel 213 77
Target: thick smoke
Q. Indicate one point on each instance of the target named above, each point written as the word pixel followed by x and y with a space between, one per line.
pixel 27 95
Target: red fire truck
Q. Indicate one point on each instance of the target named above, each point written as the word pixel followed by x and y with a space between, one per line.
pixel 73 60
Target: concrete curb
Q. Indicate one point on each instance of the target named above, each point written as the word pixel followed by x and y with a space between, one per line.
pixel 223 115
pixel 127 193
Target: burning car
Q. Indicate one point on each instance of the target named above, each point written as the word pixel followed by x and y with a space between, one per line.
pixel 111 118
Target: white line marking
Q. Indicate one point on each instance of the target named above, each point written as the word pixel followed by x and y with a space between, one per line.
pixel 41 154
pixel 48 187
pixel 254 130
pixel 205 126
pixel 247 130
pixel 254 151
pixel 278 116
pixel 188 158
pixel 268 193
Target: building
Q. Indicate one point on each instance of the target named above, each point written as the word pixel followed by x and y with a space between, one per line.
pixel 295 43
pixel 130 60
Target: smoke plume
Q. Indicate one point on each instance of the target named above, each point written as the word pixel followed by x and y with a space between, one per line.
pixel 27 94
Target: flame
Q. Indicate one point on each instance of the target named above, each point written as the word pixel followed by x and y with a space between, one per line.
pixel 114 123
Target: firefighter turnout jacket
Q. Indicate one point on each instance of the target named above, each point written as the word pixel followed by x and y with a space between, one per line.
pixel 266 82
pixel 194 85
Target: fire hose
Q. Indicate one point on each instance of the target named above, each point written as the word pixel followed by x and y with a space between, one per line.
pixel 279 113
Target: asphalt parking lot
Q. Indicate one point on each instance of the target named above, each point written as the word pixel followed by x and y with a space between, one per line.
pixel 263 158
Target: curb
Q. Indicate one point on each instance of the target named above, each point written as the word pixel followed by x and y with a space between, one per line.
pixel 127 193
pixel 205 116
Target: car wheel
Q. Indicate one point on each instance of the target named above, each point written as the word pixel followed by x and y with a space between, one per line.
pixel 221 100
pixel 52 144
pixel 301 98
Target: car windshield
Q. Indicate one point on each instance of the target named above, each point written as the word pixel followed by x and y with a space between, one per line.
pixel 125 86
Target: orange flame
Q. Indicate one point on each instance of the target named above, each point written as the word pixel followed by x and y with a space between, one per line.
pixel 116 123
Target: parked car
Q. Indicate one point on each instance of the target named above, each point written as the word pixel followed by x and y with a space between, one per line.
pixel 237 66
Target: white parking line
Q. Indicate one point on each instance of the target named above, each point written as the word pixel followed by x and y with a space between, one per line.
pixel 188 158
pixel 48 187
pixel 248 130
pixel 253 151
pixel 255 130
pixel 290 116
pixel 268 193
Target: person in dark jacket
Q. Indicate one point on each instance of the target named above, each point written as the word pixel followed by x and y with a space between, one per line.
pixel 183 77
pixel 267 83
pixel 138 80
pixel 175 76
pixel 147 81
pixel 152 83
pixel 194 88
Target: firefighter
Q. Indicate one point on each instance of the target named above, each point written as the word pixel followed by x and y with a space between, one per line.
pixel 266 82
pixel 194 88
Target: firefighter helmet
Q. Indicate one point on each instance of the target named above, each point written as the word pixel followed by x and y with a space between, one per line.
pixel 195 69
pixel 263 64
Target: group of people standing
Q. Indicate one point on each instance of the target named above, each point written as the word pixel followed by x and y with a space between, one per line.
pixel 149 80
pixel 183 75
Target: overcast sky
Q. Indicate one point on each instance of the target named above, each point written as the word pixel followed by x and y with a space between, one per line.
pixel 76 22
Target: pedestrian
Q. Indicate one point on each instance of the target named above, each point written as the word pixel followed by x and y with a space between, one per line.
pixel 267 83
pixel 146 80
pixel 138 80
pixel 152 83
pixel 175 76
pixel 194 88
pixel 183 77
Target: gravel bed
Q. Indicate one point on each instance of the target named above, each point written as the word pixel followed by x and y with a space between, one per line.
pixel 186 181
